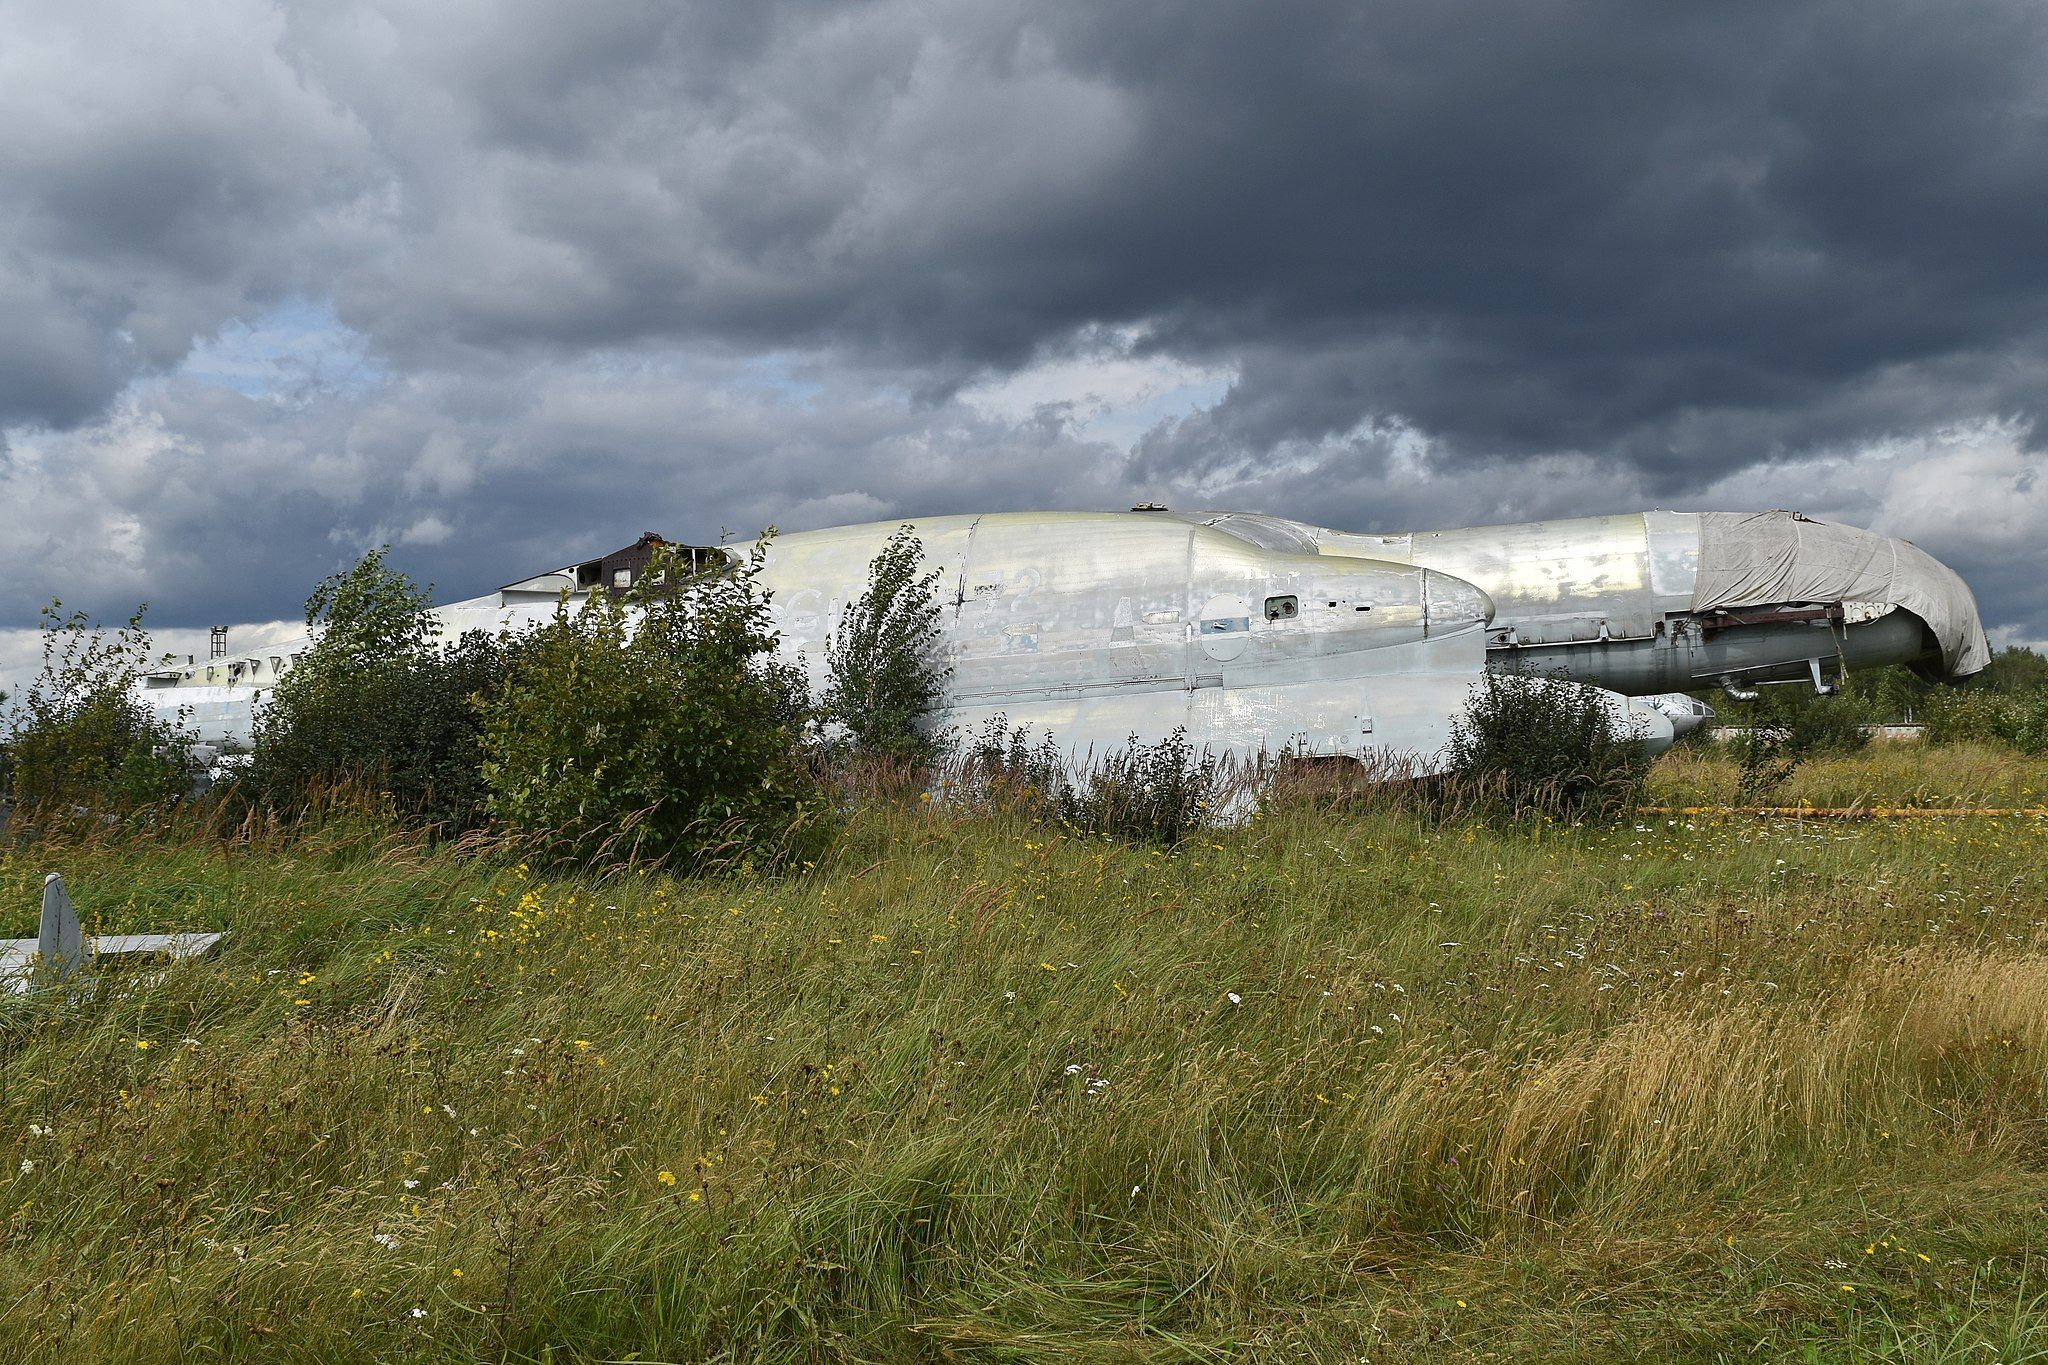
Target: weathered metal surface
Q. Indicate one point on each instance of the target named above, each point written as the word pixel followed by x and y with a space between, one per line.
pixel 60 948
pixel 1347 641
pixel 60 951
pixel 1623 601
pixel 1095 627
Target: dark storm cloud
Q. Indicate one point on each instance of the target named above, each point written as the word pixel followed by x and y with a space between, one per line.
pixel 163 171
pixel 721 264
pixel 1523 228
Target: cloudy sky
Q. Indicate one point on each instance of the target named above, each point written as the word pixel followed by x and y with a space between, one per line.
pixel 502 284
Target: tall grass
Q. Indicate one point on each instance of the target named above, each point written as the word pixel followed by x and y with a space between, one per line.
pixel 1345 1080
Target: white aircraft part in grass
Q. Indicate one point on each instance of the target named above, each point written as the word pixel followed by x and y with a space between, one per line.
pixel 60 951
pixel 1256 634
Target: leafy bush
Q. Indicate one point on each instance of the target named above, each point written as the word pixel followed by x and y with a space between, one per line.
pixel 1787 724
pixel 2015 719
pixel 1527 744
pixel 80 736
pixel 884 668
pixel 655 726
pixel 379 702
pixel 1156 793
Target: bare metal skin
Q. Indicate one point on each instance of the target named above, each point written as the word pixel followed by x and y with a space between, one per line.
pixel 1256 634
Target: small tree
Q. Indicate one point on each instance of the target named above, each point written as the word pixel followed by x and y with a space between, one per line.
pixel 1787 724
pixel 656 726
pixel 1530 744
pixel 80 735
pixel 884 666
pixel 379 701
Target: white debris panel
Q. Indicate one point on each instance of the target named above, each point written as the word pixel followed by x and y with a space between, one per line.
pixel 1758 557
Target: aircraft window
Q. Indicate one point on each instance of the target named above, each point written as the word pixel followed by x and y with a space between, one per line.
pixel 622 578
pixel 1283 608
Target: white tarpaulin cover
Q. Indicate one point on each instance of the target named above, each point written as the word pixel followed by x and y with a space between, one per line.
pixel 1763 558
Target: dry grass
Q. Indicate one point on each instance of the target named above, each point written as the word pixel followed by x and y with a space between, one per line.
pixel 1337 1083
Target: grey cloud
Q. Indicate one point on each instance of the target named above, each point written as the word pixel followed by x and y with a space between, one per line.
pixel 165 171
pixel 236 505
pixel 723 264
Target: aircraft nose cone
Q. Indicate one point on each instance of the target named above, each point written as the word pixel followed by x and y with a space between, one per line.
pixel 1450 603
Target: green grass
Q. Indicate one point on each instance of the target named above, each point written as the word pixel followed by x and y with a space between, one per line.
pixel 1339 1084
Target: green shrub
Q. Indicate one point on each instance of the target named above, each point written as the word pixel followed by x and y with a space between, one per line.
pixel 1156 793
pixel 1785 724
pixel 379 703
pixel 884 666
pixel 79 736
pixel 2012 719
pixel 1526 744
pixel 655 726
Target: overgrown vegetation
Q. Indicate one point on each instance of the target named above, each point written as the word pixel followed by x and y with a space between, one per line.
pixel 1159 792
pixel 380 703
pixel 885 672
pixel 2006 704
pixel 1329 1084
pixel 655 727
pixel 78 738
pixel 1533 745
pixel 1785 726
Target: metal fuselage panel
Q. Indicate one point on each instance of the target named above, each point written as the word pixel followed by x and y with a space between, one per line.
pixel 1099 627
pixel 1611 601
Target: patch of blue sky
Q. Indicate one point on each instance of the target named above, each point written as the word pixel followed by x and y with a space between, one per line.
pixel 778 372
pixel 295 350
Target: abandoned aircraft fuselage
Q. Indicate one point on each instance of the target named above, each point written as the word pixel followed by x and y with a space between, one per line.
pixel 1257 634
pixel 1096 627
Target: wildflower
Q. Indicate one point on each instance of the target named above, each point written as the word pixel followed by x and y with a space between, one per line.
pixel 385 1240
pixel 419 1312
pixel 696 1196
pixel 412 1184
pixel 667 1177
pixel 457 1272
pixel 1233 997
pixel 583 1045
pixel 27 1167
pixel 142 1044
